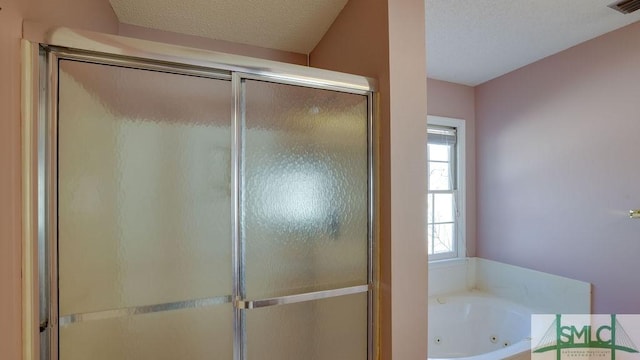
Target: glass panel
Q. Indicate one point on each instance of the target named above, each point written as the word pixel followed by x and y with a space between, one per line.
pixel 439 176
pixel 443 238
pixel 143 187
pixel 203 333
pixel 439 152
pixel 328 329
pixel 304 212
pixel 443 208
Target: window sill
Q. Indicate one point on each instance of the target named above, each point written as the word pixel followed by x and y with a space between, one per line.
pixel 435 264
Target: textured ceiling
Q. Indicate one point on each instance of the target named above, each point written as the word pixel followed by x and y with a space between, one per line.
pixel 290 25
pixel 468 41
pixel 472 41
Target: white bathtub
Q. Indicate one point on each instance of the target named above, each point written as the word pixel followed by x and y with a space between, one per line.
pixel 478 326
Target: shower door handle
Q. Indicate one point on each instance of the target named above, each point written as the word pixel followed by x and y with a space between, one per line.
pixel 292 299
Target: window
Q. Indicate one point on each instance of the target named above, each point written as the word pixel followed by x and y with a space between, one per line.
pixel 445 195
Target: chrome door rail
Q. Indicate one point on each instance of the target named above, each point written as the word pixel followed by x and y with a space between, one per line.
pixel 123 47
pixel 372 268
pixel 298 298
pixel 142 64
pixel 236 203
pixel 141 310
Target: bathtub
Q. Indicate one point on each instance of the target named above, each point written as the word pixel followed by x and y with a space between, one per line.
pixel 478 326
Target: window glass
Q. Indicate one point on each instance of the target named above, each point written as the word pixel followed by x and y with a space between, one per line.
pixel 444 157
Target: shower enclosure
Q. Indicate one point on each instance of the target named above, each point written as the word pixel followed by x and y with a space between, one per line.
pixel 197 205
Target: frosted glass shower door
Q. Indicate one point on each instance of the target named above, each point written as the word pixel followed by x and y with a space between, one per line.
pixel 144 224
pixel 184 231
pixel 303 222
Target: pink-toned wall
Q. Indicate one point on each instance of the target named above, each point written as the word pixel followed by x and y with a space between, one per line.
pixel 458 101
pixel 558 167
pixel 385 40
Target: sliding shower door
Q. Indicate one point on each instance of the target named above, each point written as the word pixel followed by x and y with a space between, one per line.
pixel 143 214
pixel 195 213
pixel 303 222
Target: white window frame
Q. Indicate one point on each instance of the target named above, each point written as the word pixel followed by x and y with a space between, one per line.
pixel 460 192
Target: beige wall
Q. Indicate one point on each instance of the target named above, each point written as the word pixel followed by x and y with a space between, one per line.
pixel 10 260
pixel 92 14
pixel 408 93
pixel 211 44
pixel 458 101
pixel 95 15
pixel 385 40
